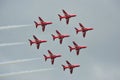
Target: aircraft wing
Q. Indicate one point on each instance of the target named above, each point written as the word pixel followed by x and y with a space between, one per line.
pixel 65 13
pixel 41 19
pixel 84 33
pixel 67 21
pixel 50 53
pixel 58 32
pixel 35 37
pixel 71 70
pixel 61 41
pixel 77 52
pixel 52 61
pixel 68 63
pixel 43 28
pixel 38 45
pixel 75 44
pixel 81 25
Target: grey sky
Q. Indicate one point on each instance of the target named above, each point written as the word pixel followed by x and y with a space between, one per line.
pixel 99 61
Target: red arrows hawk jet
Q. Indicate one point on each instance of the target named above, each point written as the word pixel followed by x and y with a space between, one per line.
pixel 42 23
pixel 66 16
pixel 60 36
pixel 76 47
pixel 51 56
pixel 83 29
pixel 70 66
pixel 36 41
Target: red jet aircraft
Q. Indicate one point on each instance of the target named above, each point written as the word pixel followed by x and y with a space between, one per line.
pixel 83 29
pixel 42 23
pixel 60 36
pixel 70 66
pixel 51 56
pixel 36 41
pixel 66 16
pixel 76 47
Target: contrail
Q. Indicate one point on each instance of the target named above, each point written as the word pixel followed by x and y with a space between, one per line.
pixel 14 26
pixel 18 61
pixel 24 72
pixel 12 44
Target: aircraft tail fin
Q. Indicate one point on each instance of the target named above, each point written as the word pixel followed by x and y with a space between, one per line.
pixel 53 36
pixel 70 48
pixel 36 24
pixel 60 17
pixel 30 42
pixel 76 30
pixel 45 57
pixel 63 67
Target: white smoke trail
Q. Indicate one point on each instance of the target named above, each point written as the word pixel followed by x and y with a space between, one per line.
pixel 24 72
pixel 14 26
pixel 18 61
pixel 12 44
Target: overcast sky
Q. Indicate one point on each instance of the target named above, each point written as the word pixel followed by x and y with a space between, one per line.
pixel 99 61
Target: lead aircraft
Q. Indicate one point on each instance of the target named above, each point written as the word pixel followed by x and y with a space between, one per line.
pixel 42 23
pixel 51 56
pixel 36 41
pixel 66 16
pixel 70 66
pixel 60 36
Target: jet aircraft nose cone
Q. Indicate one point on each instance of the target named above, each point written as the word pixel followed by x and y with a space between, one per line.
pixel 45 41
pixel 74 15
pixel 68 35
pixel 85 46
pixel 78 65
pixel 60 55
pixel 50 22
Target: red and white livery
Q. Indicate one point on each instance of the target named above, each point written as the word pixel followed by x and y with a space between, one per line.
pixel 66 16
pixel 36 41
pixel 60 36
pixel 76 47
pixel 42 23
pixel 51 56
pixel 82 29
pixel 70 66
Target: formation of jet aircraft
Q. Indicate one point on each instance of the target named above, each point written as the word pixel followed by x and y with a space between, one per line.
pixel 66 16
pixel 76 47
pixel 36 41
pixel 42 23
pixel 60 36
pixel 83 29
pixel 51 56
pixel 70 66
